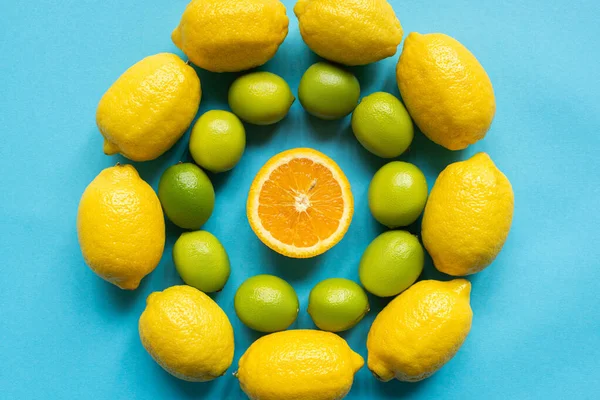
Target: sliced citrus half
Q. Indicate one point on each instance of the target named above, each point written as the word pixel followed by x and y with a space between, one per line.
pixel 300 203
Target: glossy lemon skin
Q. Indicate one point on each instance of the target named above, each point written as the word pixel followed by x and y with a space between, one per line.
pixel 445 89
pixel 187 334
pixel 121 227
pixel 420 330
pixel 145 112
pixel 299 365
pixel 468 216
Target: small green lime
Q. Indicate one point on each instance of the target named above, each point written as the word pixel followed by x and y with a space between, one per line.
pixel 266 303
pixel 218 141
pixel 328 91
pixel 260 98
pixel 391 263
pixel 187 195
pixel 382 125
pixel 201 261
pixel 397 194
pixel 337 304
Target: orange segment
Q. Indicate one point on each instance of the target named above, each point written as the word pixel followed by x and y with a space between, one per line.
pixel 300 203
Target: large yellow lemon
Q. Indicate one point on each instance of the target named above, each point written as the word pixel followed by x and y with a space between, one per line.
pixel 420 330
pixel 467 216
pixel 299 365
pixel 355 32
pixel 187 334
pixel 445 89
pixel 121 227
pixel 149 107
pixel 231 35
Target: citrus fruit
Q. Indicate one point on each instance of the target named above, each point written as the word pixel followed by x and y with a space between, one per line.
pixel 149 107
pixel 353 32
pixel 298 364
pixel 217 141
pixel 328 91
pixel 391 263
pixel 260 98
pixel 382 125
pixel 201 261
pixel 468 216
pixel 266 303
pixel 187 334
pixel 337 304
pixel 231 35
pixel 121 227
pixel 420 330
pixel 397 194
pixel 446 90
pixel 300 203
pixel 186 195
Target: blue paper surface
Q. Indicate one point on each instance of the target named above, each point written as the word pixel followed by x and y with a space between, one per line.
pixel 66 334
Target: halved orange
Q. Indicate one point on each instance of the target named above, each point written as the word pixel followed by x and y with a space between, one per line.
pixel 300 203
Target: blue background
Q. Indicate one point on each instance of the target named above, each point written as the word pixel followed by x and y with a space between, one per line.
pixel 65 333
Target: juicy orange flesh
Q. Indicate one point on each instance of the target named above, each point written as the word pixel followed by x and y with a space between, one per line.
pixel 301 203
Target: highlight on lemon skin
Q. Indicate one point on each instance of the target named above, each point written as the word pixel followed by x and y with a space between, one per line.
pixel 147 110
pixel 300 203
pixel 445 89
pixel 298 364
pixel 419 331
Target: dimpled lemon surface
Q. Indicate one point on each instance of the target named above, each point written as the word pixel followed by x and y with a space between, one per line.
pixel 420 330
pixel 231 35
pixel 149 107
pixel 121 227
pixel 298 365
pixel 187 333
pixel 468 216
pixel 445 89
pixel 351 32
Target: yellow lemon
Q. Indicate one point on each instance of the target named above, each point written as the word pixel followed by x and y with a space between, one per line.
pixel 299 365
pixel 121 227
pixel 420 330
pixel 468 216
pixel 187 334
pixel 445 89
pixel 231 35
pixel 149 107
pixel 353 32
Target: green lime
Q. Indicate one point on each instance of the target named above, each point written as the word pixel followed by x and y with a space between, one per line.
pixel 187 196
pixel 382 125
pixel 218 141
pixel 266 303
pixel 201 261
pixel 328 91
pixel 397 194
pixel 391 263
pixel 337 304
pixel 260 98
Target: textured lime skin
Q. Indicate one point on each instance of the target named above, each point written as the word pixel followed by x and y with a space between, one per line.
pixel 218 141
pixel 337 304
pixel 391 263
pixel 382 125
pixel 260 98
pixel 328 91
pixel 397 194
pixel 266 303
pixel 201 261
pixel 187 195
